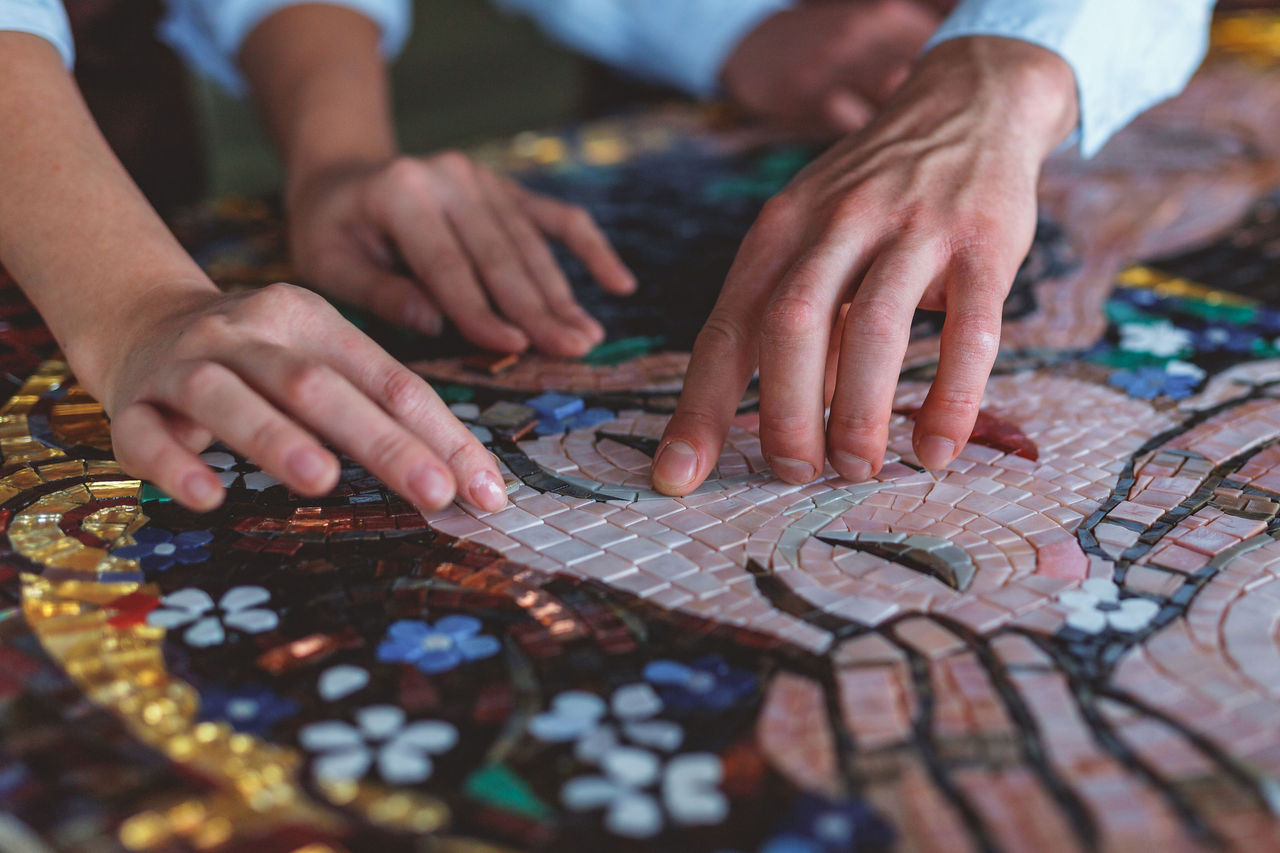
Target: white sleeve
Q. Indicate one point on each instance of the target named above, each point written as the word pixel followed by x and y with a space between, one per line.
pixel 44 18
pixel 208 33
pixel 683 43
pixel 1127 55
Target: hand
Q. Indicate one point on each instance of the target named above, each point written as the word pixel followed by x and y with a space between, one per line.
pixel 933 205
pixel 272 373
pixel 418 240
pixel 826 67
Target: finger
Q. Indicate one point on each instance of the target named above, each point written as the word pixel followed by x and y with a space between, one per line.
pixel 392 297
pixel 537 257
pixel 793 344
pixel 190 434
pixel 970 342
pixel 212 395
pixel 724 355
pixel 146 448
pixel 575 228
pixel 372 427
pixel 877 330
pixel 509 283
pixel 413 404
pixel 844 111
pixel 427 243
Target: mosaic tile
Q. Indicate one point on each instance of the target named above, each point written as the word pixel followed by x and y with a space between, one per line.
pixel 1065 640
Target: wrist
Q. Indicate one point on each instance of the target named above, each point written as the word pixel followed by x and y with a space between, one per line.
pixel 1027 92
pixel 96 343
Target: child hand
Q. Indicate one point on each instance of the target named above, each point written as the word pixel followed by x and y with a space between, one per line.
pixel 474 243
pixel 273 373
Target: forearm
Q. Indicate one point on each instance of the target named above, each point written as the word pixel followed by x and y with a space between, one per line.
pixel 75 232
pixel 320 83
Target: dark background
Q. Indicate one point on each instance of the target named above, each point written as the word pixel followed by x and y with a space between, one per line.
pixel 469 72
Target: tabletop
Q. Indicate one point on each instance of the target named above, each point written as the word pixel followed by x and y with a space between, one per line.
pixel 1065 640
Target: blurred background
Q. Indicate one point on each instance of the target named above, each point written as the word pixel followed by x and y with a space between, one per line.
pixel 469 72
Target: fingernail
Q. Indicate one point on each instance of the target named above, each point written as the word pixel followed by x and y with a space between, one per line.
pixel 200 490
pixel 430 488
pixel 792 470
pixel 853 468
pixel 934 451
pixel 676 465
pixel 306 466
pixel 487 492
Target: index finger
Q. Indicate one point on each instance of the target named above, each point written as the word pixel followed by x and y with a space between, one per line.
pixel 724 358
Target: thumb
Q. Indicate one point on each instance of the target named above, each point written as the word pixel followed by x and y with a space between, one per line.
pixel 844 111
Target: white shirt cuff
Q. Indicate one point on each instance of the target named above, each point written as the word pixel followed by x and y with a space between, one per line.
pixel 1127 55
pixel 209 33
pixel 44 18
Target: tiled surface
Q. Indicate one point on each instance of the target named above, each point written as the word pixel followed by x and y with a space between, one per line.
pixel 1066 640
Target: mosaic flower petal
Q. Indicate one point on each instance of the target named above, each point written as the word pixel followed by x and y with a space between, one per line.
pixel 587 793
pixel 1088 621
pixel 152 536
pixel 167 618
pixel 329 735
pixel 207 632
pixel 1134 614
pixel 664 735
pixel 458 626
pixel 338 682
pixel 402 765
pixel 193 539
pixel 343 765
pixel 579 703
pixel 190 599
pixel 242 597
pixel 635 702
pixel 253 621
pixel 438 660
pixel 432 736
pixel 630 766
pixel 559 728
pixel 380 722
pixel 479 647
pixel 634 816
pixel 667 672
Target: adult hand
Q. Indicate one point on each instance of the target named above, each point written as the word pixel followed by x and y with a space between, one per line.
pixel 933 205
pixel 273 373
pixel 420 239
pixel 826 67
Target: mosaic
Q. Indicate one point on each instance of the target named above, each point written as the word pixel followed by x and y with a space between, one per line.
pixel 1066 640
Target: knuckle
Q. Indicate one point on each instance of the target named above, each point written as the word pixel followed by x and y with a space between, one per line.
pixel 195 382
pixel 974 339
pixel 203 335
pixel 876 320
pixel 466 454
pixel 455 164
pixel 791 316
pixel 387 451
pixel 955 401
pixel 402 393
pixel 778 213
pixel 784 430
pixel 278 301
pixel 578 220
pixel 272 440
pixel 843 424
pixel 407 172
pixel 719 334
pixel 305 385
